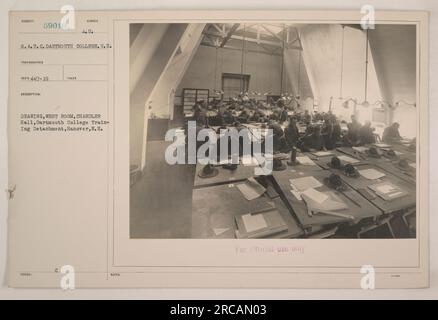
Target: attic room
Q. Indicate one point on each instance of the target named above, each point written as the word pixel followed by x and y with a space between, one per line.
pixel 348 93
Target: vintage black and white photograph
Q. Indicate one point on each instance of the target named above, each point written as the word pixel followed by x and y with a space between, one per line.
pixel 272 131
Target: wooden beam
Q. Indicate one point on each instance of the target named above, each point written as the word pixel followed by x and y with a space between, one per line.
pixel 271 32
pixel 207 44
pixel 297 39
pixel 254 40
pixel 220 30
pixel 229 34
pixel 271 43
pixel 210 38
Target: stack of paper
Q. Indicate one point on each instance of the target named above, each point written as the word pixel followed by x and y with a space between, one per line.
pixel 327 201
pixel 305 160
pixel 371 174
pixel 251 189
pixel 388 191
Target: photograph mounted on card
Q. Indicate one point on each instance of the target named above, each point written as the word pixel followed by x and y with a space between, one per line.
pixel 218 148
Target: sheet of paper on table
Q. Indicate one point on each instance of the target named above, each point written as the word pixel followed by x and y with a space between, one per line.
pixel 360 149
pixel 406 141
pixel 251 189
pixel 296 194
pixel 315 195
pixel 382 145
pixel 305 160
pixel 331 203
pixel 388 191
pixel 219 231
pixel 386 188
pixel 304 183
pixel 322 153
pixel 254 222
pixel 371 174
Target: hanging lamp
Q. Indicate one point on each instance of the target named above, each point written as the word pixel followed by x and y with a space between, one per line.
pixel 341 81
pixel 282 63
pixel 216 91
pixel 298 95
pixel 365 103
pixel 271 68
pixel 256 92
pixel 242 84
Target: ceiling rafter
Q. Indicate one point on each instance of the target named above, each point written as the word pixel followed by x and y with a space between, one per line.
pixel 222 36
pixel 271 32
pixel 229 34
pixel 222 30
pixel 270 52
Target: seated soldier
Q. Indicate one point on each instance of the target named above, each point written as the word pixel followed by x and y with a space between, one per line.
pixel 307 117
pixel 391 133
pixel 291 134
pixel 336 134
pixel 283 115
pixel 218 120
pixel 197 110
pixel 228 117
pixel 243 117
pixel 318 116
pixel 355 125
pixel 279 141
pixel 256 116
pixel 313 141
pixel 327 133
pixel 351 138
pixel 366 134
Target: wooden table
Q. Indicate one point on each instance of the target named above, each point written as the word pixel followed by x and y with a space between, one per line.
pixel 324 161
pixel 358 206
pixel 302 168
pixel 405 152
pixel 409 174
pixel 225 176
pixel 388 165
pixel 404 202
pixel 215 207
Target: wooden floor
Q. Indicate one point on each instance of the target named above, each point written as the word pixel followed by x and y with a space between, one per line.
pixel 161 201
